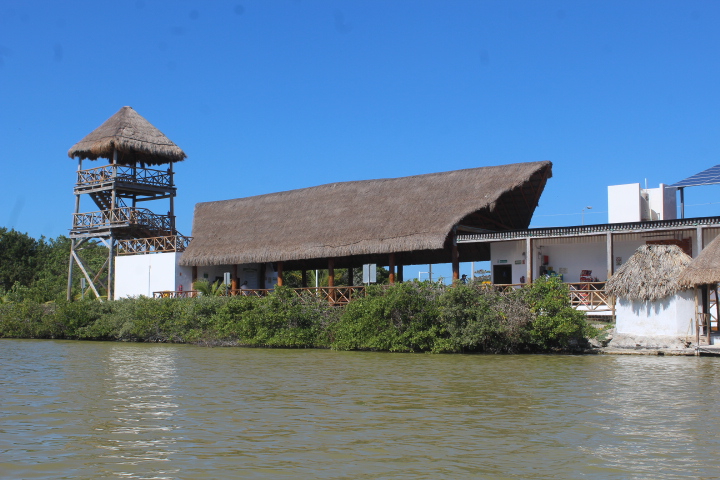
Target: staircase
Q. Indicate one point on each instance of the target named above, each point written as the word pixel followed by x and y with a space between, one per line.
pixel 103 199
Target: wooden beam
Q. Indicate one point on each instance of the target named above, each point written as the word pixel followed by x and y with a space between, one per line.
pixel 400 273
pixel 234 280
pixel 351 277
pixel 488 219
pixel 87 277
pixel 331 272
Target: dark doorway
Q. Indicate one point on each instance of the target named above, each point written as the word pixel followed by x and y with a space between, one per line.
pixel 502 274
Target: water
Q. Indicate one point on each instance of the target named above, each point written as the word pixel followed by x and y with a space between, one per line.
pixel 112 410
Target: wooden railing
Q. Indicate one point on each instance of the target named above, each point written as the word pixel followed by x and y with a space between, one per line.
pixel 589 297
pixel 125 216
pixel 123 173
pixel 334 295
pixel 169 243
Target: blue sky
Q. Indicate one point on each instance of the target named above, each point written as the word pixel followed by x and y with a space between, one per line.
pixel 267 95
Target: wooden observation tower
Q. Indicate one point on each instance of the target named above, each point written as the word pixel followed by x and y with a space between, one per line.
pixel 140 169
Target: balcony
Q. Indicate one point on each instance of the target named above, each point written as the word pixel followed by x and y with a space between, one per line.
pixel 122 222
pixel 143 181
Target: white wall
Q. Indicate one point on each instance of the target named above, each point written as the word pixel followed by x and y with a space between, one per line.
pixel 137 275
pixel 624 203
pixel 570 256
pixel 571 259
pixel 662 202
pixel 627 204
pixel 669 316
pixel 510 252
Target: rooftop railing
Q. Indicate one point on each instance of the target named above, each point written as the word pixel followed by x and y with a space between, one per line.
pixel 590 229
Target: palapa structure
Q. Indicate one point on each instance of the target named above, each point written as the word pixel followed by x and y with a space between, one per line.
pixel 651 300
pixel 395 221
pixel 704 269
pixel 130 143
pixel 651 274
pixel 131 138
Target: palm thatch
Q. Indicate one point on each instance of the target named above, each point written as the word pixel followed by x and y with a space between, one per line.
pixel 136 141
pixel 650 274
pixel 415 215
pixel 705 269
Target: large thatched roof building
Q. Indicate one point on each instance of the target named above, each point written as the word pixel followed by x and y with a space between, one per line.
pixel 363 221
pixel 705 269
pixel 133 138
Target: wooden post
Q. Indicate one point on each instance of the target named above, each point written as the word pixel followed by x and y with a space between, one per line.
pixel 111 269
pixel 351 279
pixel 699 241
pixel 70 270
pixel 331 280
pixel 706 311
pixel 609 254
pixel 172 201
pixel 114 174
pixel 280 274
pixel 400 273
pixel 455 257
pixel 194 277
pixel 234 280
pixel 391 267
pixel 717 306
pixel 303 282
pixel 331 272
pixel 263 272
pixel 528 260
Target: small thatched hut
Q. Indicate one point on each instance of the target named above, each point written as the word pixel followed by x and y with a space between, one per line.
pixel 129 138
pixel 705 269
pixel 408 220
pixel 650 299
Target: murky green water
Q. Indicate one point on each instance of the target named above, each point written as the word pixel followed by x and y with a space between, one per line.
pixel 109 410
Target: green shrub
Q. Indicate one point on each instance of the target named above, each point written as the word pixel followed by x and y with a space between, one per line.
pixel 556 326
pixel 403 318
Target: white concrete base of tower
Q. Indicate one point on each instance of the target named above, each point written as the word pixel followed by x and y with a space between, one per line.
pixel 137 275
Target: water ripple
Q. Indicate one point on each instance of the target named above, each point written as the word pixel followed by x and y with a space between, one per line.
pixel 108 410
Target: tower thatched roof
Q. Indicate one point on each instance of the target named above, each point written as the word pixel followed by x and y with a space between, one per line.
pixel 650 274
pixel 135 139
pixel 415 215
pixel 705 269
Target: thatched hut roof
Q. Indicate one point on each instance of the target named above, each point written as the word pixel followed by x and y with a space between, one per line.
pixel 135 139
pixel 705 269
pixel 415 215
pixel 650 274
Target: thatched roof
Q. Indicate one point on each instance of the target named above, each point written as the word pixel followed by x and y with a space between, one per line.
pixel 705 269
pixel 415 215
pixel 650 274
pixel 135 139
